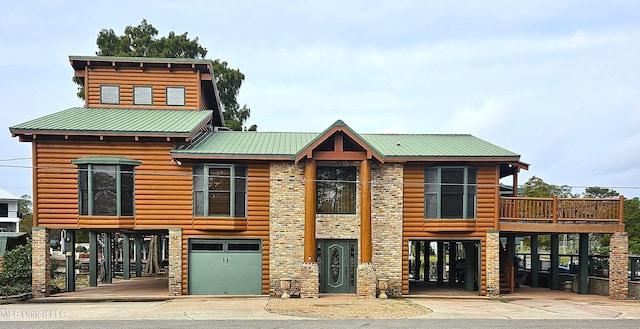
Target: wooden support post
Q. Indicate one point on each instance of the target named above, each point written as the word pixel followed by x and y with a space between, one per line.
pixel 416 265
pixel 126 260
pixel 453 250
pixel 583 268
pixel 535 262
pixel 511 254
pixel 138 255
pixel 470 266
pixel 440 265
pixel 555 262
pixel 310 211
pixel 93 259
pixel 70 260
pixel 108 258
pixel 365 211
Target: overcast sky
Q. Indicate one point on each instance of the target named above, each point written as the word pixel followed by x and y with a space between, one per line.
pixel 557 82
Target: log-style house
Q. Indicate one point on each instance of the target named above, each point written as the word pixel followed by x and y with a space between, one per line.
pixel 333 211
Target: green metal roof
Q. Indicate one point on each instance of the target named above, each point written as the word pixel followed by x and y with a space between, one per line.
pixel 269 144
pixel 82 120
pixel 141 59
pixel 247 143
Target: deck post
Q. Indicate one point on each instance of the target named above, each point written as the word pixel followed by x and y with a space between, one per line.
pixel 440 265
pixel 535 262
pixel 555 262
pixel 583 268
pixel 70 259
pixel 126 260
pixel 93 259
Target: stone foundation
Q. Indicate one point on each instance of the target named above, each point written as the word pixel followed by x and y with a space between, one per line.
pixel 618 266
pixel 367 281
pixel 309 284
pixel 492 256
pixel 175 261
pixel 40 263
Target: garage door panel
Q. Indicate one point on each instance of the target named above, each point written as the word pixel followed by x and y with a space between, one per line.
pixel 225 267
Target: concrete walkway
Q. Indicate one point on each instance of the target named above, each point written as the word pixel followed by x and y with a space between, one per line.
pixel 147 298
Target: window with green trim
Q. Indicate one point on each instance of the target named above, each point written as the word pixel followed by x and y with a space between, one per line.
pixel 109 94
pixel 106 190
pixel 450 192
pixel 220 190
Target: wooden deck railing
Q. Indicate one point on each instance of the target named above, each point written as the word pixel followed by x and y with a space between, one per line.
pixel 557 210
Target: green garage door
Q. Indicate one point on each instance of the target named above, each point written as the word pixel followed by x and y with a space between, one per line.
pixel 221 267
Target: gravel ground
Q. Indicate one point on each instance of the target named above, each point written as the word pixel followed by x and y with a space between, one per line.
pixel 347 307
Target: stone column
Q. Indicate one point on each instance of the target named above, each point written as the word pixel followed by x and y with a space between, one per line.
pixel 618 266
pixel 309 284
pixel 492 256
pixel 367 281
pixel 175 261
pixel 40 262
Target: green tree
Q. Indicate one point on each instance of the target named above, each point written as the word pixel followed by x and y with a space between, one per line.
pixel 25 212
pixel 599 192
pixel 143 41
pixel 535 187
pixel 632 223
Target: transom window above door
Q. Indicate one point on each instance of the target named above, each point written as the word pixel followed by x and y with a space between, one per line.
pixel 336 190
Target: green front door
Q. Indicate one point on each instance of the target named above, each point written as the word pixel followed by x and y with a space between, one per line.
pixel 225 267
pixel 337 261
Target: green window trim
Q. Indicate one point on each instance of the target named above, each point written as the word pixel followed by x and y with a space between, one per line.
pixel 220 190
pixel 446 198
pixel 106 185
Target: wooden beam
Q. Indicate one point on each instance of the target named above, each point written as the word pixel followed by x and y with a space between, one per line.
pixel 310 211
pixel 365 211
pixel 339 156
pixel 560 228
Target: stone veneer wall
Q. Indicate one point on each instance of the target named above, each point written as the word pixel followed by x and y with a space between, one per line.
pixel 40 263
pixel 175 261
pixel 287 230
pixel 386 224
pixel 492 260
pixel 619 266
pixel 286 234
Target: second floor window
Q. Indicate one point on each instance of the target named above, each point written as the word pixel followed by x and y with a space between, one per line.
pixel 336 190
pixel 4 210
pixel 220 191
pixel 105 190
pixel 176 96
pixel 450 192
pixel 109 94
pixel 142 95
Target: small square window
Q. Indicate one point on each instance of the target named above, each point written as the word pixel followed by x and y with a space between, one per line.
pixel 109 94
pixel 175 96
pixel 142 95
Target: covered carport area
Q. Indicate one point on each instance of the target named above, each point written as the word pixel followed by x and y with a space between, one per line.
pixel 444 267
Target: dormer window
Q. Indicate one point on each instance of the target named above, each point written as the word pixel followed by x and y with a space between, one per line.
pixel 109 94
pixel 142 95
pixel 175 96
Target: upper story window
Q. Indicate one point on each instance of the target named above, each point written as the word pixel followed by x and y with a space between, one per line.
pixel 336 190
pixel 450 192
pixel 142 95
pixel 220 191
pixel 176 96
pixel 109 94
pixel 106 186
pixel 4 210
